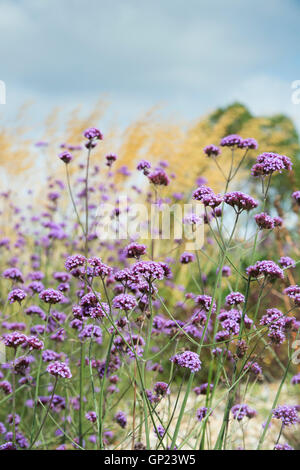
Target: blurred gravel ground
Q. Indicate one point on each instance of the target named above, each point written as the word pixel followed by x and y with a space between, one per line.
pixel 243 435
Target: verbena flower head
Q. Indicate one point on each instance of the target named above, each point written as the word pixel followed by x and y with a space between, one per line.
pixel 144 166
pixel 264 221
pixel 13 340
pixel 211 200
pixel 49 356
pixel 124 302
pixel 91 416
pixel 253 367
pixel 278 221
pixel 186 258
pixel 6 387
pixel 8 446
pixel 296 196
pixel 110 159
pixel 159 177
pixel 287 262
pixel 248 143
pixel 241 411
pixel 16 295
pixel 240 201
pixel 187 359
pixel 93 134
pixel 283 447
pixel 205 302
pixel 268 163
pixel 99 268
pixel 296 379
pixel 267 268
pixel 59 369
pixel 235 298
pixel 149 270
pixel 14 274
pixel 159 431
pixel 51 296
pixel 292 291
pixel 287 414
pixel 161 389
pixel 232 140
pixel 202 389
pixel 121 419
pixel 66 157
pixel 36 286
pixel 74 261
pixel 35 343
pixel 202 412
pixel 201 191
pixel 135 250
pixel 211 150
pixel 226 271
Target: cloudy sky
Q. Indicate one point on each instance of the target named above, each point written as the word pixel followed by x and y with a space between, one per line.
pixel 188 55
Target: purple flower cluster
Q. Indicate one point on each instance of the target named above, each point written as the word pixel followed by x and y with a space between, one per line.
pixel 135 250
pixel 149 270
pixel 266 268
pixel 296 379
pixel 66 157
pixel 159 177
pixel 93 133
pixel 253 367
pixel 287 262
pixel 186 258
pixel 144 166
pixel 205 301
pixel 202 412
pixel 74 261
pixel 161 389
pixel 283 447
pixel 100 269
pixel 235 298
pixel 14 274
pixel 287 414
pixel 241 411
pixel 187 359
pixel 16 295
pixel 121 419
pixel 268 163
pixel 13 340
pixel 211 150
pixel 232 140
pixel 296 196
pixel 59 369
pixel 264 221
pixel 276 323
pixel 124 302
pixel 110 159
pixel 51 296
pixel 240 201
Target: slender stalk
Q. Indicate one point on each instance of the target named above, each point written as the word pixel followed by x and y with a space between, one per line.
pixel 46 415
pixel 14 397
pixel 72 199
pixel 37 385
